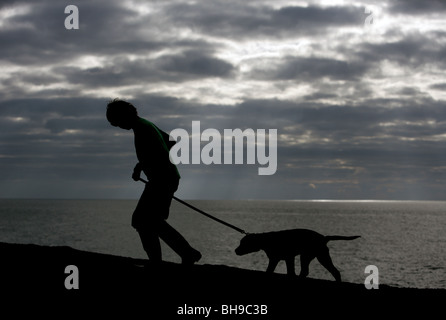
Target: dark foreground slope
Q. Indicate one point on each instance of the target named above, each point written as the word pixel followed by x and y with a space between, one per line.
pixel 33 282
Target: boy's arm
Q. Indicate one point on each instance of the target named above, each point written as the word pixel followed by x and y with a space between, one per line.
pixel 155 150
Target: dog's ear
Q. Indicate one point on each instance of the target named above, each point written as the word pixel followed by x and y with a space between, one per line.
pixel 249 239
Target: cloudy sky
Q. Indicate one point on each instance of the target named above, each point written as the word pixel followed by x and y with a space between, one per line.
pixel 358 98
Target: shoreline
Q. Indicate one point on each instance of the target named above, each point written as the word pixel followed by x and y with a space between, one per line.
pixel 37 275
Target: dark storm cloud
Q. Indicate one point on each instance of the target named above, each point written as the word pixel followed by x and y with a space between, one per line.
pixel 39 109
pixel 45 39
pixel 309 69
pixel 107 28
pixel 241 20
pixel 341 123
pixel 372 121
pixel 415 7
pixel 196 63
pixel 7 3
pixel 341 139
pixel 438 86
pixel 414 50
pixel 185 66
pixel 366 146
pixel 55 140
pixel 73 140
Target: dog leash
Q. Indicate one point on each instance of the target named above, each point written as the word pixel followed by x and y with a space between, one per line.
pixel 204 213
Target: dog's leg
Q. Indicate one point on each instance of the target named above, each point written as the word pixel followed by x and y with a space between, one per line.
pixel 304 265
pixel 325 260
pixel 272 265
pixel 290 266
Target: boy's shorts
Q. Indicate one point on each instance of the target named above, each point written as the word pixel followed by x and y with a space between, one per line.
pixel 154 204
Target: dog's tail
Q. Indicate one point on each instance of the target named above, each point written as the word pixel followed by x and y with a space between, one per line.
pixel 330 238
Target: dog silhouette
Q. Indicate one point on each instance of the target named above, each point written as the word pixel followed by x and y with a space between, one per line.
pixel 287 244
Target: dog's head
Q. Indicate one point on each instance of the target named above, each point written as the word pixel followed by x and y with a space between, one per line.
pixel 249 243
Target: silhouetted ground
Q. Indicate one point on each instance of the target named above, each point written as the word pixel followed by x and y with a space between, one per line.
pixel 33 277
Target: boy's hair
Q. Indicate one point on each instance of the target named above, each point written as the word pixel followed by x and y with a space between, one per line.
pixel 118 109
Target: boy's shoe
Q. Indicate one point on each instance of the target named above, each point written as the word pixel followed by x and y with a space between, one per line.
pixel 191 258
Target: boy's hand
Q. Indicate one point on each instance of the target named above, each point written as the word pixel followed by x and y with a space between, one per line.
pixel 136 173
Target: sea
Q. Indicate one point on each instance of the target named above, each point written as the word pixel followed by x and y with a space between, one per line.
pixel 405 240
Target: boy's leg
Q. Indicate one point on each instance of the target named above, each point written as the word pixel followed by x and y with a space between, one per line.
pixel 149 220
pixel 151 244
pixel 146 221
pixel 178 243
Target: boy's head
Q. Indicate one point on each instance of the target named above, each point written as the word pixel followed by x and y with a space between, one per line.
pixel 121 113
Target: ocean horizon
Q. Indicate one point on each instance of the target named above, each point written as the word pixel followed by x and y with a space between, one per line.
pixel 405 240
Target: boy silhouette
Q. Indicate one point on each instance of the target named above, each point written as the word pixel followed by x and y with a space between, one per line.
pixel 152 150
